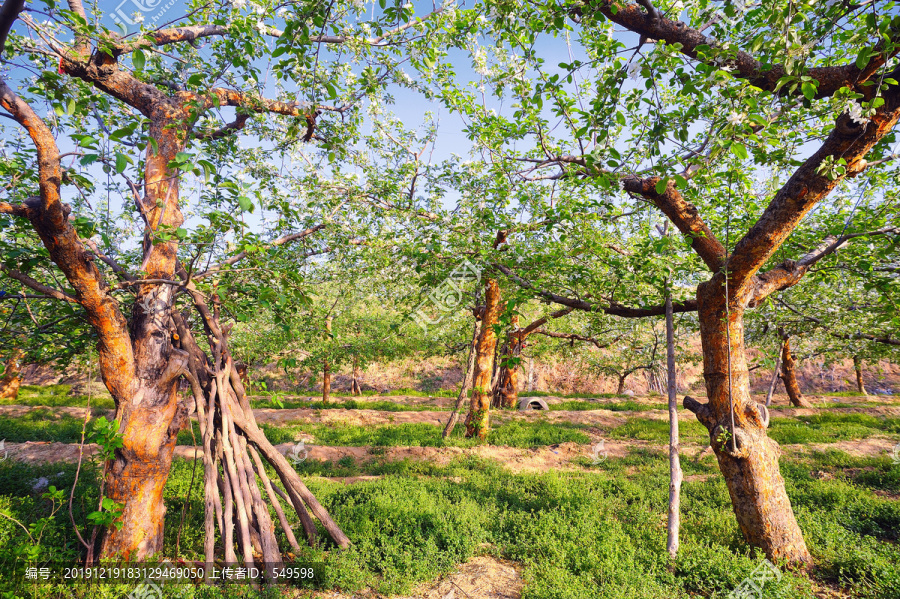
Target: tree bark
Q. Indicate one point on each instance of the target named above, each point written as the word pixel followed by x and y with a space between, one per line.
pixel 775 377
pixel 789 375
pixel 857 367
pixel 354 384
pixel 150 416
pixel 326 381
pixel 508 384
pixel 620 389
pixel 12 378
pixel 675 474
pixel 747 457
pixel 478 419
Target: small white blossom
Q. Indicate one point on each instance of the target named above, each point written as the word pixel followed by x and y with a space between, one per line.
pixel 407 6
pixel 735 118
pixel 480 60
pixel 634 70
pixel 856 113
pixel 260 10
pixel 281 12
pixel 238 4
pixel 138 17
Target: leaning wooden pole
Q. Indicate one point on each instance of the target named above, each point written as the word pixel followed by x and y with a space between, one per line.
pixel 775 376
pixel 675 474
pixel 236 454
pixel 463 391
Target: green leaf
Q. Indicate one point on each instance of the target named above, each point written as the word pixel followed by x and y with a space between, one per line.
pixel 809 90
pixel 661 186
pixel 739 150
pixel 245 203
pixel 138 60
pixel 121 162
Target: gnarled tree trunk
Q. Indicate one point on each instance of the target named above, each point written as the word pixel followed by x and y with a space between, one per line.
pixel 150 416
pixel 478 419
pixel 620 388
pixel 747 457
pixel 508 383
pixel 789 375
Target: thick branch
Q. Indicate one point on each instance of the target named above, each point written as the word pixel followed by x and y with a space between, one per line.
pixel 684 216
pixel 789 272
pixel 689 41
pixel 522 334
pixel 849 141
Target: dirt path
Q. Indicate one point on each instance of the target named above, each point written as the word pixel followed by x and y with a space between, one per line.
pixel 565 456
pixel 599 418
pixel 479 578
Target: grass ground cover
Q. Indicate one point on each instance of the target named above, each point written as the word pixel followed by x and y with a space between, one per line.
pixel 597 534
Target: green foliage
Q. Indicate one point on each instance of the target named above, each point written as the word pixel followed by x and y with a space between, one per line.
pixel 829 427
pixel 41 424
pixel 57 395
pixel 511 433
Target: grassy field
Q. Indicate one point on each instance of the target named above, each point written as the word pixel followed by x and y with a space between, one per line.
pixel 593 531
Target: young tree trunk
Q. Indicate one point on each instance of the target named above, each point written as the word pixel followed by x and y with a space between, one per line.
pixel 326 381
pixel 478 419
pixel 789 375
pixel 775 377
pixel 463 391
pixel 747 457
pixel 675 474
pixel 12 378
pixel 857 366
pixel 354 384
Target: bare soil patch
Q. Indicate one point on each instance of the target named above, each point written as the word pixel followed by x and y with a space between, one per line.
pixel 481 577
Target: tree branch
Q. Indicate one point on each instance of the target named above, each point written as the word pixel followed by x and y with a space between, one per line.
pixel 683 215
pixel 830 79
pixel 240 256
pixel 849 141
pixel 9 12
pixel 789 272
pixel 36 286
pixel 612 309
